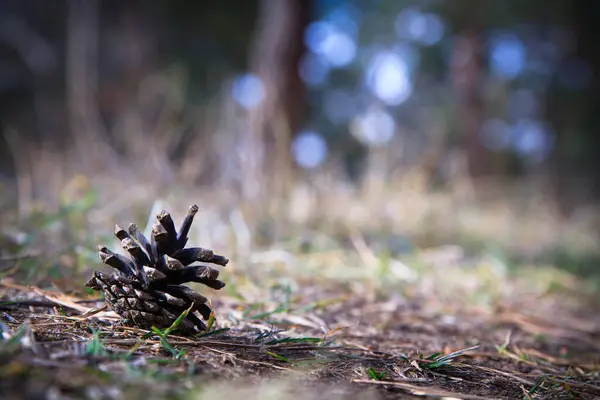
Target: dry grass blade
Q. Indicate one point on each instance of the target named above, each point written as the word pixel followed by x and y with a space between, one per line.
pixel 438 360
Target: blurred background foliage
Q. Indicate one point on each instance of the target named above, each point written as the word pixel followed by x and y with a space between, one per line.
pixel 268 99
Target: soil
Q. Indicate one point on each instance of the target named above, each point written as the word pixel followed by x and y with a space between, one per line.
pixel 59 346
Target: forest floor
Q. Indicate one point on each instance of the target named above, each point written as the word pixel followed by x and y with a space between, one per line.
pixel 330 315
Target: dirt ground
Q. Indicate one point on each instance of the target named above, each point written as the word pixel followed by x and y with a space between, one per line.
pixel 357 312
pixel 332 342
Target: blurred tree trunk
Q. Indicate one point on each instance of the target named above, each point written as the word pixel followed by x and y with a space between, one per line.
pixel 467 74
pixel 574 113
pixel 82 82
pixel 278 46
pixel 587 30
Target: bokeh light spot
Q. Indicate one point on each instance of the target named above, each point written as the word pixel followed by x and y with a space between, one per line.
pixel 309 149
pixel 424 28
pixel 374 128
pixel 248 91
pixel 388 78
pixel 533 140
pixel 507 56
pixel 335 46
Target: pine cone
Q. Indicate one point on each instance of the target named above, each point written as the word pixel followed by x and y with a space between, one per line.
pixel 146 289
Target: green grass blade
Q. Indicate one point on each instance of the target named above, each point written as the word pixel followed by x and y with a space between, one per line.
pixel 178 321
pixel 278 356
pixel 295 340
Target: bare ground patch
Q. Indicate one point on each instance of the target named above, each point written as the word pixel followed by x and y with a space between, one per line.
pixel 322 346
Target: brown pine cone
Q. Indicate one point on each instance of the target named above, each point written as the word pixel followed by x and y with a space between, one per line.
pixel 146 289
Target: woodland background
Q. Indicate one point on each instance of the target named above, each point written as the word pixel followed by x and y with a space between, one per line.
pixel 407 191
pixel 224 91
pixel 490 101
